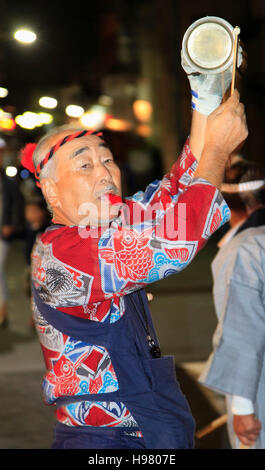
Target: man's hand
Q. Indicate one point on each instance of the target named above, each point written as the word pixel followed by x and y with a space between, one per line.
pixel 247 428
pixel 226 129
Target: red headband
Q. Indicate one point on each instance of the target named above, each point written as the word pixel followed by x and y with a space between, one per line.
pixel 26 154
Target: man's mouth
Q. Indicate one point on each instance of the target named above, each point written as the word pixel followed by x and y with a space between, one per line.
pixel 111 194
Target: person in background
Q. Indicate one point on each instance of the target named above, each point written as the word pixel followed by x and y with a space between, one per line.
pixel 11 222
pixel 236 366
pixel 233 174
pixel 37 220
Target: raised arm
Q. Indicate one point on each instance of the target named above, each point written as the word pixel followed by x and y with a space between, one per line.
pixel 197 133
pixel 226 129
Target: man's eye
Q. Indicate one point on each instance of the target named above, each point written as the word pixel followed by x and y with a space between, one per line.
pixel 109 160
pixel 85 166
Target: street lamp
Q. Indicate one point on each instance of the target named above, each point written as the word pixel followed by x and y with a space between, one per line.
pixel 25 36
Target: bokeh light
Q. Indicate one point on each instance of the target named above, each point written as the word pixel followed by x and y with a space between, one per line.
pixel 24 173
pixel 74 111
pixel 142 110
pixel 118 124
pixel 45 118
pixel 11 171
pixel 48 102
pixel 3 92
pixel 30 120
pixel 94 118
pixel 25 36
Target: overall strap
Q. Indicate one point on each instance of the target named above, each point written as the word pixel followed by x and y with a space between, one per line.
pixel 79 328
pixel 139 303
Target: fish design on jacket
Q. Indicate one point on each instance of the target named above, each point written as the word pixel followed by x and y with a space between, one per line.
pixel 181 254
pixel 130 255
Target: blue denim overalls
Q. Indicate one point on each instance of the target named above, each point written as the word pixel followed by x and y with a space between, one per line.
pixel 147 384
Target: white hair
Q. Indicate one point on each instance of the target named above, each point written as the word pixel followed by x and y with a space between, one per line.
pixel 49 170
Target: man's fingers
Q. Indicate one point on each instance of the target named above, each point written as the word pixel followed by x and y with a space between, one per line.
pixel 234 99
pixel 247 442
pixel 247 428
pixel 248 439
pixel 231 102
pixel 240 109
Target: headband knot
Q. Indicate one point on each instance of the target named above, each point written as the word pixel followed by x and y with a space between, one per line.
pixel 26 157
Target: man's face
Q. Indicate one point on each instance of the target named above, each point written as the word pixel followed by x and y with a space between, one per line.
pixel 85 172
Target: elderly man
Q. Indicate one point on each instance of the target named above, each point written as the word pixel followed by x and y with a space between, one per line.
pixel 111 387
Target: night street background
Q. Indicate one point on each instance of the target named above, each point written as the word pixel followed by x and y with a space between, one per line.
pixel 105 55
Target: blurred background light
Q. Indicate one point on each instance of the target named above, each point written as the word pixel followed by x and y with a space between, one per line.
pixel 25 35
pixel 144 130
pixel 11 171
pixel 30 120
pixel 142 110
pixel 117 124
pixel 94 118
pixel 3 92
pixel 45 118
pixel 7 122
pixel 74 111
pixel 105 100
pixel 48 102
pixel 24 173
pixel 2 143
pixel 32 117
pixel 26 120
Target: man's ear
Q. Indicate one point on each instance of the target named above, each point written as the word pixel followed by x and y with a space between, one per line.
pixel 49 189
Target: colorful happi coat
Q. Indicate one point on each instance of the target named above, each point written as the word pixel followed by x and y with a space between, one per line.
pixel 86 272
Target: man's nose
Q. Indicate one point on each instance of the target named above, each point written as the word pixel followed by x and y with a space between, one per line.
pixel 103 174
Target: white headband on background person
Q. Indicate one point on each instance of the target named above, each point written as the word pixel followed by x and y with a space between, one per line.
pixel 242 187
